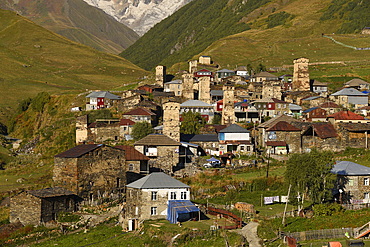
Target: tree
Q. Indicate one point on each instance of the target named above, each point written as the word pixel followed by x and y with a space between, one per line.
pixel 191 123
pixel 141 130
pixel 309 174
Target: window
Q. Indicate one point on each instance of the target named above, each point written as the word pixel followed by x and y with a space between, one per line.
pixel 131 167
pixel 366 181
pixel 248 148
pixel 153 211
pixel 154 195
pixel 173 195
pixel 350 182
pixel 366 195
pixel 183 195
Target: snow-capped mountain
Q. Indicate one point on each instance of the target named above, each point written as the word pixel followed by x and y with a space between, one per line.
pixel 139 15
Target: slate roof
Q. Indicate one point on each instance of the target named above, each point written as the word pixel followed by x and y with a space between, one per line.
pixel 195 103
pixel 283 126
pixel 348 168
pixel 139 112
pixel 199 138
pixel 294 107
pixel 329 104
pixel 131 154
pixel 50 192
pixel 265 74
pixel 346 115
pixel 310 109
pixel 157 180
pixel 234 128
pixel 174 82
pixel 277 119
pixel 355 126
pixel 312 98
pixel 217 92
pixel 319 83
pixel 276 143
pixel 103 94
pixel 78 151
pixel 225 71
pixel 157 140
pixel 348 92
pixel 356 82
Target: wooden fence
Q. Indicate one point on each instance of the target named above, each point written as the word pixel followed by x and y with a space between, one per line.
pixel 322 234
pixel 228 215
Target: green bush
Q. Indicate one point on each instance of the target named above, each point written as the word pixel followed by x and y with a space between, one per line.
pixel 68 217
pixel 327 209
pixel 278 19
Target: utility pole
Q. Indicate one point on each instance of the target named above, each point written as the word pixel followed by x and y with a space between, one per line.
pixel 286 205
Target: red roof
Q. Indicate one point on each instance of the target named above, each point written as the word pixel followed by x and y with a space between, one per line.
pixel 132 154
pixel 139 112
pixel 275 100
pixel 276 143
pixel 329 105
pixel 283 126
pixel 124 121
pixel 346 115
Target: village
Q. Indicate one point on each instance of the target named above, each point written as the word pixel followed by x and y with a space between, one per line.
pixel 242 115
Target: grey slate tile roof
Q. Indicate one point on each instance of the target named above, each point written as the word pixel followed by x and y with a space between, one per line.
pixel 78 151
pixel 349 168
pixel 195 103
pixel 157 140
pixel 348 92
pixel 234 128
pixel 157 180
pixel 50 192
pixel 102 94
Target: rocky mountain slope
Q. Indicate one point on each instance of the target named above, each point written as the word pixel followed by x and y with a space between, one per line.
pixel 77 21
pixel 272 32
pixel 139 15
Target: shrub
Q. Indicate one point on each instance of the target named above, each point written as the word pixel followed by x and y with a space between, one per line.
pixel 327 209
pixel 68 217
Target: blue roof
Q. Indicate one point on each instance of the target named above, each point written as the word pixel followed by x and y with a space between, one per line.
pixel 178 208
pixel 312 98
pixel 310 109
pixel 213 159
pixel 348 168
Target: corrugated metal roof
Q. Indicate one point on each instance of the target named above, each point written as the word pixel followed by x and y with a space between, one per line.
pixel 348 168
pixel 294 107
pixel 346 115
pixel 195 103
pixel 310 109
pixel 283 126
pixel 131 154
pixel 139 112
pixel 200 138
pixel 348 92
pixel 225 71
pixel 124 121
pixel 234 128
pixel 325 130
pixel 174 82
pixel 157 140
pixel 78 151
pixel 103 94
pixel 50 192
pixel 157 180
pixel 329 104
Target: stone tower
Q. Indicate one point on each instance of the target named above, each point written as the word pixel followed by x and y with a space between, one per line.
pixel 193 65
pixel 171 120
pixel 271 89
pixel 228 110
pixel 205 89
pixel 187 86
pixel 301 76
pixel 81 129
pixel 160 75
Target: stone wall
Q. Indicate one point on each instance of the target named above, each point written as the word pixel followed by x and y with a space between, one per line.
pixel 81 129
pixel 160 75
pixel 228 110
pixel 301 76
pixel 171 120
pixel 101 134
pixel 205 89
pixel 25 208
pixel 187 86
pixel 293 139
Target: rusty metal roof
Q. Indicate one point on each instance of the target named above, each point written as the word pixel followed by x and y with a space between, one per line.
pixel 131 153
pixel 283 126
pixel 329 104
pixel 324 130
pixel 346 115
pixel 355 126
pixel 50 192
pixel 78 151
pixel 124 121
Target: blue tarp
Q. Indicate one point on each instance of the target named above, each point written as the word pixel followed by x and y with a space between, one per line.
pixel 213 159
pixel 179 210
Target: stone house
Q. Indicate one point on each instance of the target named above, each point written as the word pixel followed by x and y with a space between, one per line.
pixel 141 114
pixel 349 97
pixel 322 136
pixel 223 73
pixel 330 107
pixel 173 86
pixel 204 109
pixel 315 114
pixel 208 142
pixel 164 152
pixel 285 132
pixel 319 87
pixel 312 101
pixel 149 198
pixel 35 207
pixel 235 139
pixel 271 107
pixel 353 182
pixel 203 73
pixel 263 76
pixel 355 135
pixel 94 172
pixel 129 100
pixel 99 100
pixel 205 60
pixel 358 84
pixel 346 117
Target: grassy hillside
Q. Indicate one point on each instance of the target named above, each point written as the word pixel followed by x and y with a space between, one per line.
pixel 34 60
pixel 276 32
pixel 77 21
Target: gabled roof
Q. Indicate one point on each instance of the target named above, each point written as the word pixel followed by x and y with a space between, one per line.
pixel 195 103
pixel 356 82
pixel 324 130
pixel 283 126
pixel 174 82
pixel 294 107
pixel 275 100
pixel 203 70
pixel 225 71
pixel 102 94
pixel 131 154
pixel 277 119
pixel 157 140
pixel 78 151
pixel 319 83
pixel 139 112
pixel 348 91
pixel 50 192
pixel 310 109
pixel 234 128
pixel 128 122
pixel 264 74
pixel 199 138
pixel 157 180
pixel 312 98
pixel 348 168
pixel 346 115
pixel 329 104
